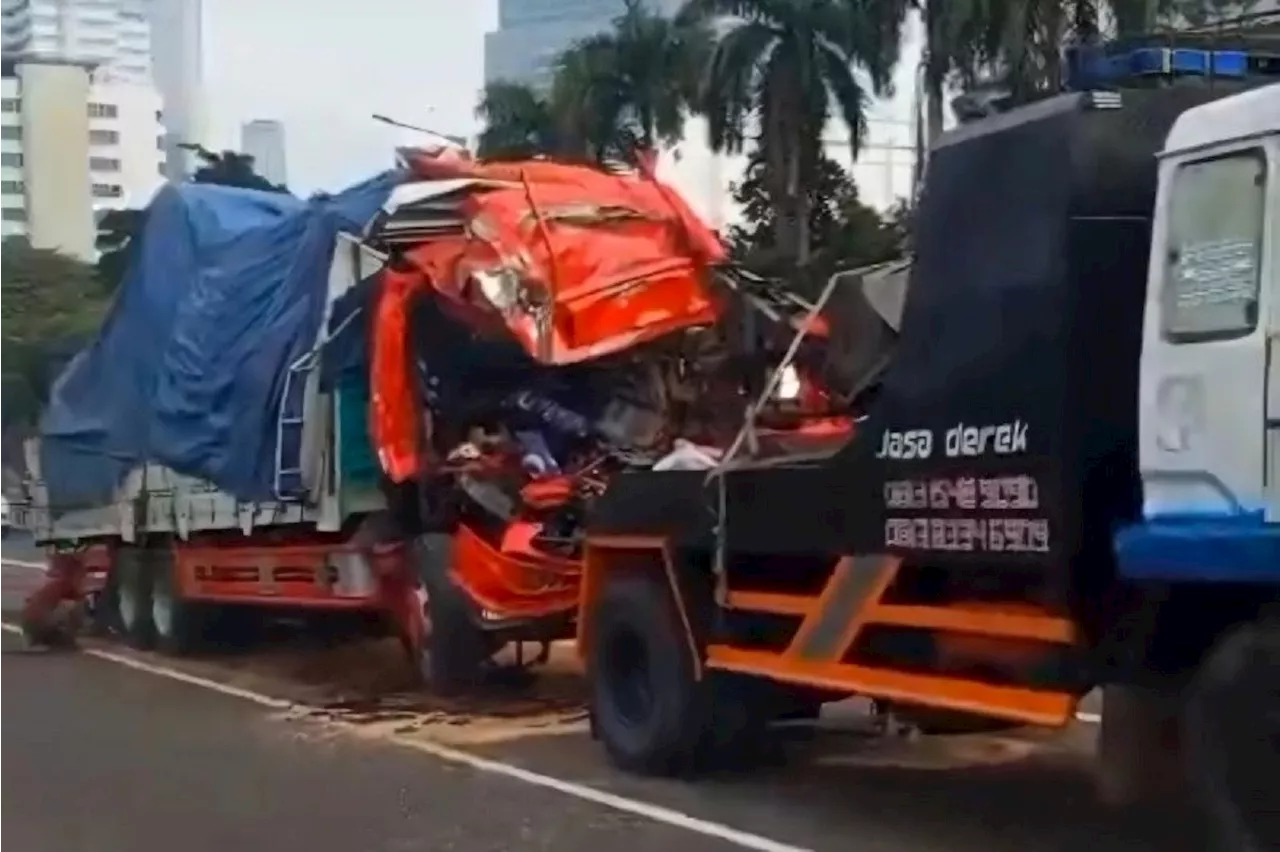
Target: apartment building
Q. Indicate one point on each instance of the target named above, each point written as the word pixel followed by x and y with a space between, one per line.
pixel 74 142
pixel 114 34
pixel 147 42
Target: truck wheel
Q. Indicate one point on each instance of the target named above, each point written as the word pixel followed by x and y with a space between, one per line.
pixel 454 652
pixel 133 597
pixel 648 709
pixel 102 609
pixel 1231 737
pixel 176 622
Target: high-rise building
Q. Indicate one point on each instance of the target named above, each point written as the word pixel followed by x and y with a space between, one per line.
pixel 113 34
pixel 532 33
pixel 177 59
pixel 140 41
pixel 263 139
pixel 74 141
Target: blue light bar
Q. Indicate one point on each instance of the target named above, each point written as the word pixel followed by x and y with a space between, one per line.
pixel 1094 68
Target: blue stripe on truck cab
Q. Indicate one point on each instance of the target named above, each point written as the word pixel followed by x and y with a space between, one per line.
pixel 1190 547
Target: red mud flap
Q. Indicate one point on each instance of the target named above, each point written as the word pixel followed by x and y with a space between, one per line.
pixel 401 594
pixel 46 620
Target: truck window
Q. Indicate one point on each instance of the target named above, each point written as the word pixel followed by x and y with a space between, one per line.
pixel 1214 257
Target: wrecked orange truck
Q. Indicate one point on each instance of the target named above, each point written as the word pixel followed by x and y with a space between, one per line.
pixel 400 402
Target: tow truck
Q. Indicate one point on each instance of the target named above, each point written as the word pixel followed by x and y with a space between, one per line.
pixel 1069 481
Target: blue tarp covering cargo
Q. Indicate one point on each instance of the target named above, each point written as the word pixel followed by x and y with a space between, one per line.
pixel 225 291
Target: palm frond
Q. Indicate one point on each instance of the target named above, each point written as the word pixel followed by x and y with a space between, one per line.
pixel 850 99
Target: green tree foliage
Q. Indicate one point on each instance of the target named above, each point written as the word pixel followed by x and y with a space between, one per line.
pixel 519 122
pixel 777 72
pixel 1020 42
pixel 116 231
pixel 229 168
pixel 628 87
pixel 844 232
pixel 641 78
pixel 52 306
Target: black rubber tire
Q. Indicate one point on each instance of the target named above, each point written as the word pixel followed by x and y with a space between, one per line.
pixel 182 632
pixel 132 599
pixel 103 610
pixel 1231 738
pixel 452 659
pixel 665 729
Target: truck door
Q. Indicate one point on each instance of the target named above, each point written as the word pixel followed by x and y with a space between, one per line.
pixel 1208 405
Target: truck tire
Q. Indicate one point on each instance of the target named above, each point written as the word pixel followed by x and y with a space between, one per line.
pixel 177 623
pixel 132 581
pixel 648 710
pixel 1231 737
pixel 103 610
pixel 455 650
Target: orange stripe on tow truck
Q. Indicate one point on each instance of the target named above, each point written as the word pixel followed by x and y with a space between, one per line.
pixel 843 607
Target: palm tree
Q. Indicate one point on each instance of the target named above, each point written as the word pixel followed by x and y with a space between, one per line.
pixel 658 62
pixel 589 104
pixel 784 65
pixel 1018 42
pixel 627 87
pixel 1022 41
pixel 519 122
pixel 579 118
pixel 633 85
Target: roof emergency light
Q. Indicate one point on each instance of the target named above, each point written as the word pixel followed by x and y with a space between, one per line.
pixel 1100 68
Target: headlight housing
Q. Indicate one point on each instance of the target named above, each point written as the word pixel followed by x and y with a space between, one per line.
pixel 789 385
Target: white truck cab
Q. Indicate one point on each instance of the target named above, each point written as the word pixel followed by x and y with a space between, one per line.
pixel 1210 375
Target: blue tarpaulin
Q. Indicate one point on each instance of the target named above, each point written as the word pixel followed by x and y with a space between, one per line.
pixel 225 291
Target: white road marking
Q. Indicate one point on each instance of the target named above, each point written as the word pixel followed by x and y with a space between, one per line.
pixel 1086 718
pixel 656 813
pixel 20 563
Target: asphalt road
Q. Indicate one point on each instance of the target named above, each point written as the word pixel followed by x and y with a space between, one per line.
pixel 100 757
pixel 18 545
pixel 103 759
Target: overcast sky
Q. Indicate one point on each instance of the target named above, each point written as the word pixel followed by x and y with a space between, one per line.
pixel 324 66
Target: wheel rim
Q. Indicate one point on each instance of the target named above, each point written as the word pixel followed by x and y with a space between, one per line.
pixel 422 610
pixel 628 676
pixel 128 606
pixel 162 610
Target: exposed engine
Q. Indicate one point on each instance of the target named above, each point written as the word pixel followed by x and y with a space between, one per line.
pixel 514 439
